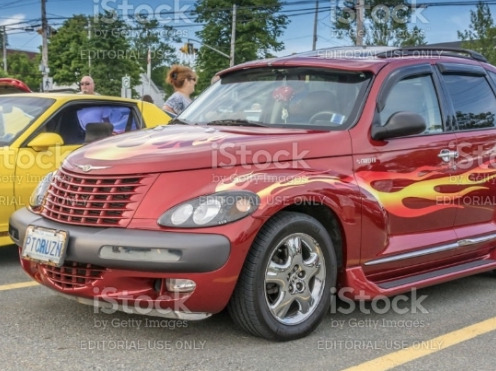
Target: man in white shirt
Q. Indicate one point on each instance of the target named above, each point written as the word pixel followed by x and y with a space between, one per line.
pixel 87 86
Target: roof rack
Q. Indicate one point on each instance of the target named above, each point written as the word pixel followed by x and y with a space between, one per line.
pixel 415 51
pixel 345 51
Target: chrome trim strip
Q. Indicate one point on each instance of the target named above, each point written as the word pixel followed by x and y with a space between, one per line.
pixel 432 250
pixel 473 241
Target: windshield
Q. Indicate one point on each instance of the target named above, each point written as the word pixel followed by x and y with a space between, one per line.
pixel 17 114
pixel 287 97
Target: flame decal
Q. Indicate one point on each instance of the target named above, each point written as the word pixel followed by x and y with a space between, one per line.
pixel 148 141
pixel 272 185
pixel 425 184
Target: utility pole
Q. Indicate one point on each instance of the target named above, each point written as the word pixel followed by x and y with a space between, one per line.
pixel 4 48
pixel 44 45
pixel 359 19
pixel 233 36
pixel 89 52
pixel 314 44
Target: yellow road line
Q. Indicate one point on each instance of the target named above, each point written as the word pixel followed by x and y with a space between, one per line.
pixel 427 347
pixel 18 285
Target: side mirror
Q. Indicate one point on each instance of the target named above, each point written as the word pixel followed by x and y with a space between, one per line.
pixel 400 124
pixel 45 140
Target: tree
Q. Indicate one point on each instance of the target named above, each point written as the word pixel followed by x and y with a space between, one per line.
pixel 258 28
pixel 113 56
pixel 96 46
pixel 383 24
pixel 22 68
pixel 414 37
pixel 158 76
pixel 149 35
pixel 481 34
pixel 68 50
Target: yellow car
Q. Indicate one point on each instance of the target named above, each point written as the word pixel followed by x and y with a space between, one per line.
pixel 38 130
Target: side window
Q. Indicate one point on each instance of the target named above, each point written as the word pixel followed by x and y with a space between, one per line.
pixel 71 122
pixel 416 95
pixel 120 117
pixel 473 100
pixel 66 123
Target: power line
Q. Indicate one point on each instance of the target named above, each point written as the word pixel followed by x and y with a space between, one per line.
pixel 18 3
pixel 290 9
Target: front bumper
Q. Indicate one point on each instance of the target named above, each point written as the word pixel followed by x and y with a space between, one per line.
pixel 110 306
pixel 150 251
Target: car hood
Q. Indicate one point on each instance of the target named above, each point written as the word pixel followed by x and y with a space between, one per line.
pixel 185 147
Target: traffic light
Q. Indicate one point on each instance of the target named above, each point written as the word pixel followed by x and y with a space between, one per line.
pixel 188 48
pixel 184 48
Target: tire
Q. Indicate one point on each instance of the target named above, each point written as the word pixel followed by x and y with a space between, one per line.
pixel 284 288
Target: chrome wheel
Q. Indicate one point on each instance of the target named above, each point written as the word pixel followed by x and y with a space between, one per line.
pixel 294 279
pixel 284 289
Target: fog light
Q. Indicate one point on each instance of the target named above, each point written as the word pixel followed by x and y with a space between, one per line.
pixel 180 285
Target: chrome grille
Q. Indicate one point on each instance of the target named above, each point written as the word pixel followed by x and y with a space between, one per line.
pixel 97 201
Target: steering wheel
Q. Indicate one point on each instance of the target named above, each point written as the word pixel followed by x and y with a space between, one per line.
pixel 322 116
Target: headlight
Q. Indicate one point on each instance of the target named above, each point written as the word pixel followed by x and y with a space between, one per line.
pixel 215 209
pixel 38 195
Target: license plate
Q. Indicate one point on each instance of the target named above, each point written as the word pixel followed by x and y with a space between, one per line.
pixel 45 245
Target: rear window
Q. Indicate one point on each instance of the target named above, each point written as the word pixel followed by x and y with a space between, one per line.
pixel 473 100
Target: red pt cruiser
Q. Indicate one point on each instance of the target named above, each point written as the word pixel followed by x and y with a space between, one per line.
pixel 351 173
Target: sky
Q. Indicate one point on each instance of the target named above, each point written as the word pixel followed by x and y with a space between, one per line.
pixel 439 22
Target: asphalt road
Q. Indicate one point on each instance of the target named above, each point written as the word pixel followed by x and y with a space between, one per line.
pixel 447 327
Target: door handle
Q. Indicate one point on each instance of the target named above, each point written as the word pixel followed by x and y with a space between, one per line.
pixel 446 155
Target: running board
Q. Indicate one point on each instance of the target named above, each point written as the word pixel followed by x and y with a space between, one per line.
pixel 439 273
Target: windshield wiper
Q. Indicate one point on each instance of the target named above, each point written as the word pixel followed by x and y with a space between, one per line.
pixel 176 121
pixel 235 122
